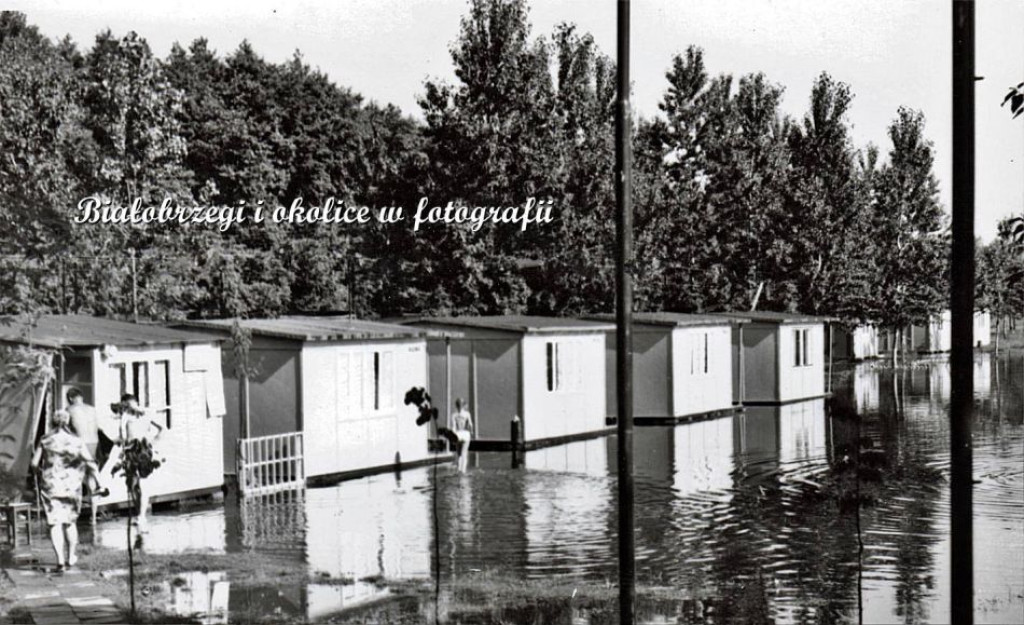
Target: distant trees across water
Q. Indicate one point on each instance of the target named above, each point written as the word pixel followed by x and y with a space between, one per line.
pixel 737 204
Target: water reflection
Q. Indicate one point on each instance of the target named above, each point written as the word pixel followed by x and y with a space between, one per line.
pixel 202 596
pixel 801 513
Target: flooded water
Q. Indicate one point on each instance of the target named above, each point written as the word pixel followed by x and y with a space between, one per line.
pixel 825 511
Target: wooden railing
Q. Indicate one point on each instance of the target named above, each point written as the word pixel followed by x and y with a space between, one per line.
pixel 271 464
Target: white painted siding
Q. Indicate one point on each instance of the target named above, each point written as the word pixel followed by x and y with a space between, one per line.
pixel 577 404
pixel 701 370
pixel 353 411
pixel 865 342
pixel 982 329
pixel 806 379
pixel 192 446
pixel 940 330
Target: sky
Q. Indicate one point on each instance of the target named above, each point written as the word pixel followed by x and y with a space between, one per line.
pixel 891 53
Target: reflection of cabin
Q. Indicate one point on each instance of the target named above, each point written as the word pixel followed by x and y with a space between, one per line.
pixel 782 358
pixel 859 342
pixel 175 374
pixel 682 366
pixel 689 457
pixel 339 381
pixel 766 436
pixel 549 371
pixel 865 389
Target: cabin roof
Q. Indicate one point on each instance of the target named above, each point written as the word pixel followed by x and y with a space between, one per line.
pixel 522 324
pixel 675 320
pixel 320 328
pixel 84 331
pixel 780 318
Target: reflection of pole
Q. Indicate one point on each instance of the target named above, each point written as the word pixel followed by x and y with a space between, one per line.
pixel 624 321
pixel 962 307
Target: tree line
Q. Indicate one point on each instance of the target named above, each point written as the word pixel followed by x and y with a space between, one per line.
pixel 738 205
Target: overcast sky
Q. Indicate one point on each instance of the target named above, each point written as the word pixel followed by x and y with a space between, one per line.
pixel 891 53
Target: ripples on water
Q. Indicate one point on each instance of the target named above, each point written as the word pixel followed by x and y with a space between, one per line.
pixel 740 514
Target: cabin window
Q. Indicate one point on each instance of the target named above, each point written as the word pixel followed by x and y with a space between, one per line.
pixel 564 366
pixel 801 347
pixel 77 369
pixel 552 362
pixel 160 391
pixel 699 357
pixel 150 382
pixel 383 375
pixel 365 383
pixel 376 380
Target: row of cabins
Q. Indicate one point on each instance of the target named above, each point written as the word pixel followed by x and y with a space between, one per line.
pixel 867 341
pixel 341 382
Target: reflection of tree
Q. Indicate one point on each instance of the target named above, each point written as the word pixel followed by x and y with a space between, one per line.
pixel 898 488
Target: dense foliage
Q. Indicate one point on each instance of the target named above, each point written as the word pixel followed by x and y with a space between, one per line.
pixel 738 206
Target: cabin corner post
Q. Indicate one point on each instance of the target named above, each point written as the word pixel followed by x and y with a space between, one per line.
pixel 828 386
pixel 962 312
pixel 624 319
pixel 741 367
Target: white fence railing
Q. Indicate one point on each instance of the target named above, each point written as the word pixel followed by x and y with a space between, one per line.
pixel 271 464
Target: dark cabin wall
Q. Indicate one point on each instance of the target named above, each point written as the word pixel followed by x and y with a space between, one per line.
pixel 761 362
pixel 498 386
pixel 651 375
pixel 274 393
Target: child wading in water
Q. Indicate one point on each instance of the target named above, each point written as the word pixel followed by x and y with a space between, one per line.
pixel 462 425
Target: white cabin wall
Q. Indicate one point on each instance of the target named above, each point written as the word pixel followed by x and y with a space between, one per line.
pixel 865 342
pixel 693 390
pixel 804 381
pixel 982 329
pixel 343 430
pixel 580 406
pixel 192 447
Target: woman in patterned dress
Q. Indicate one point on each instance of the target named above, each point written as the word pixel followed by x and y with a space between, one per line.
pixel 64 463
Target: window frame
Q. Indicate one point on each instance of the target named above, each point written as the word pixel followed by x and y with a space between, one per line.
pixel 127 373
pixel 801 348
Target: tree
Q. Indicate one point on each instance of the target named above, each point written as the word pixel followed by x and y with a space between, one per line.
pixel 830 225
pixel 131 112
pixel 911 229
pixel 1000 281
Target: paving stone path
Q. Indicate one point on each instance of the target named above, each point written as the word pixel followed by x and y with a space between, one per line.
pixel 68 598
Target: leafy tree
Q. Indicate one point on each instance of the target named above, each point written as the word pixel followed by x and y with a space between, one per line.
pixel 830 222
pixel 911 229
pixel 131 113
pixel 1000 281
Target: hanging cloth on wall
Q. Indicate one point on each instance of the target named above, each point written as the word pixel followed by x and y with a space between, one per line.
pixel 25 374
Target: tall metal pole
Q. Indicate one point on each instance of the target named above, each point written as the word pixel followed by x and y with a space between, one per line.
pixel 624 321
pixel 962 308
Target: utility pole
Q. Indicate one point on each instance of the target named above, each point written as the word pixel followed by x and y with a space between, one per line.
pixel 624 320
pixel 962 308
